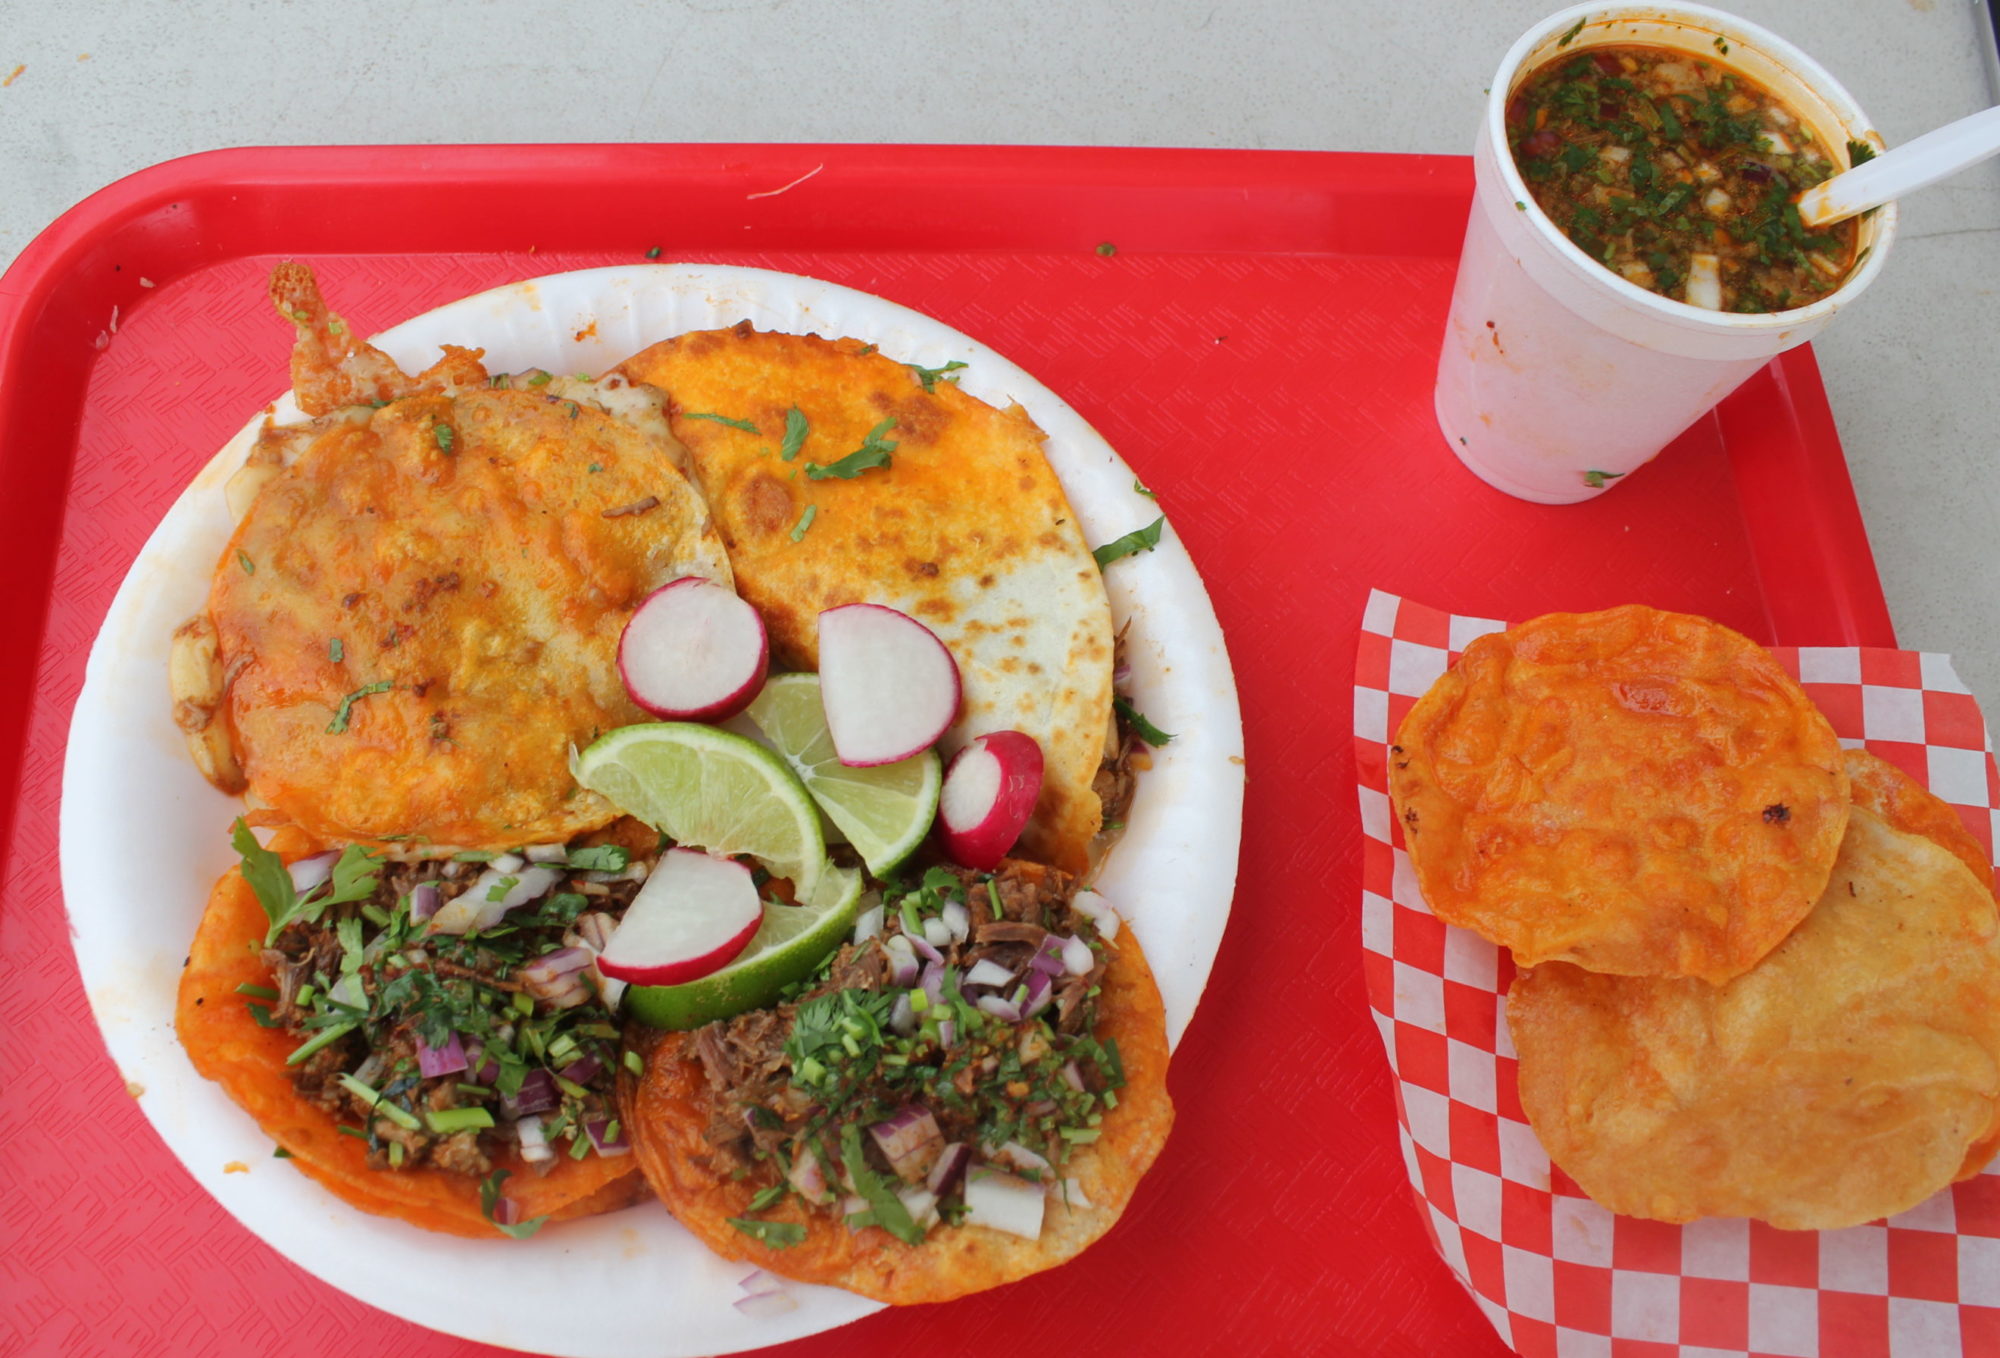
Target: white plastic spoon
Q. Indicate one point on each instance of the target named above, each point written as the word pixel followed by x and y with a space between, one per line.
pixel 1911 166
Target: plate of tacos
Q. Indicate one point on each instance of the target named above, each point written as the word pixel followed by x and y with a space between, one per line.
pixel 488 975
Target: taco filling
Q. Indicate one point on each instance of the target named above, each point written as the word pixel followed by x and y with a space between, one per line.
pixel 941 1072
pixel 448 1013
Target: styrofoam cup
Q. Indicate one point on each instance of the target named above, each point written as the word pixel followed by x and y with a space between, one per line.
pixel 1558 377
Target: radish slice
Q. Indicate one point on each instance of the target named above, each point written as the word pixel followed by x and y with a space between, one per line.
pixel 889 686
pixel 693 916
pixel 989 793
pixel 693 651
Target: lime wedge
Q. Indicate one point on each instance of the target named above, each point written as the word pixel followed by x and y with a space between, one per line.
pixel 713 790
pixel 793 940
pixel 884 811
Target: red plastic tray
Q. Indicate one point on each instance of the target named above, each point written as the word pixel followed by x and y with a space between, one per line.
pixel 1260 347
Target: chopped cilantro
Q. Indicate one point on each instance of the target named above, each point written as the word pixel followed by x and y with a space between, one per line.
pixel 653 253
pixel 745 425
pixel 444 435
pixel 1859 153
pixel 599 858
pixel 1142 488
pixel 929 376
pixel 1142 728
pixel 1138 540
pixel 883 1204
pixel 1107 249
pixel 795 434
pixel 1595 480
pixel 243 560
pixel 335 651
pixel 777 1235
pixel 489 1201
pixel 805 522
pixel 873 452
pixel 339 723
pixel 767 1197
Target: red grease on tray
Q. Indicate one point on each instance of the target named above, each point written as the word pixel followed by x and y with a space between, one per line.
pixel 1260 348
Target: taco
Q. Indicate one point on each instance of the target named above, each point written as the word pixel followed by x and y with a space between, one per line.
pixel 395 1061
pixel 419 611
pixel 838 475
pixel 923 1120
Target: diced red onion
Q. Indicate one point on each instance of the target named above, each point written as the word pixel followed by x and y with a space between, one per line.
pixel 1048 958
pixel 506 1212
pixel 609 988
pixel 1074 1075
pixel 1013 1153
pixel 933 983
pixel 425 898
pixel 902 1016
pixel 948 1168
pixel 1078 959
pixel 534 1144
pixel 545 853
pixel 474 908
pixel 537 1094
pixel 634 872
pixel 806 1175
pixel 595 1129
pixel 1098 911
pixel 851 1207
pixel 454 868
pixel 1120 675
pixel 1040 1108
pixel 957 919
pixel 482 1068
pixel 766 1305
pixel 909 1139
pixel 1039 998
pixel 920 1203
pixel 1004 1010
pixel 542 973
pixel 903 965
pixel 309 874
pixel 506 863
pixel 582 1070
pixel 987 972
pixel 592 930
pixel 924 947
pixel 446 1060
pixel 758 1281
pixel 868 924
pixel 937 933
pixel 1004 1203
pixel 948 1032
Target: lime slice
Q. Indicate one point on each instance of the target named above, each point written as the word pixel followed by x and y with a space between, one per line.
pixel 712 790
pixel 884 811
pixel 793 940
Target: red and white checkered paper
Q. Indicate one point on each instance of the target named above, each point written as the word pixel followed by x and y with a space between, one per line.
pixel 1555 1273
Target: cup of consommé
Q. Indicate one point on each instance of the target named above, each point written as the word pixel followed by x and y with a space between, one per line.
pixel 1629 259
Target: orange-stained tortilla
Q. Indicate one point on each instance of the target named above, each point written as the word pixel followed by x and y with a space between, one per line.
pixel 1911 807
pixel 966 529
pixel 1848 1076
pixel 1638 792
pixel 488 581
pixel 226 1045
pixel 666 1110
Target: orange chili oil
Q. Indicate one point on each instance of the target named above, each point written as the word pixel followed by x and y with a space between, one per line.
pixel 1681 176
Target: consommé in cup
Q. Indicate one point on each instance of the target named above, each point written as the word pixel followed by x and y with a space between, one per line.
pixel 1559 378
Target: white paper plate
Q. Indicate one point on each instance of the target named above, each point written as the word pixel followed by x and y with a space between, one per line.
pixel 632 1282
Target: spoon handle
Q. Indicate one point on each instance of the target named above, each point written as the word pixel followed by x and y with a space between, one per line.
pixel 1909 167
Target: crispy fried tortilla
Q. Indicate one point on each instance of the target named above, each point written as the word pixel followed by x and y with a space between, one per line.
pixel 1848 1076
pixel 1637 792
pixel 667 1110
pixel 419 614
pixel 1909 806
pixel 227 1045
pixel 965 528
